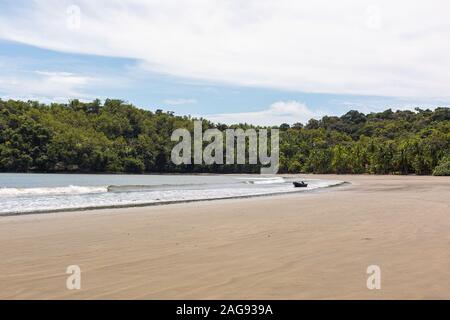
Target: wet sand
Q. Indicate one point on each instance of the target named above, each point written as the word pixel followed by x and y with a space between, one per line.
pixel 314 245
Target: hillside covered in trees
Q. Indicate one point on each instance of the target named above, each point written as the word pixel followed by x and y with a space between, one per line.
pixel 118 137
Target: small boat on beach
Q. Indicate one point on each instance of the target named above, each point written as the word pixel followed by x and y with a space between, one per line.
pixel 300 184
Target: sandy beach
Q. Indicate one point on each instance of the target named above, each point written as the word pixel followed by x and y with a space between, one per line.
pixel 314 245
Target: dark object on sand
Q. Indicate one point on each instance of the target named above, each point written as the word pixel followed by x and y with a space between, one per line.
pixel 300 184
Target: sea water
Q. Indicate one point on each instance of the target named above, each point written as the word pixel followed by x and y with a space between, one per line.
pixel 28 193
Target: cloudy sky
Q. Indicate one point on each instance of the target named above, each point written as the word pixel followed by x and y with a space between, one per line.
pixel 258 61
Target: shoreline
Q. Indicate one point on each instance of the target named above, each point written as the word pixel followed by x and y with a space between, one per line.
pixel 164 203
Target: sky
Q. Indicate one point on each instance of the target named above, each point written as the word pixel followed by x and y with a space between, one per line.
pixel 257 61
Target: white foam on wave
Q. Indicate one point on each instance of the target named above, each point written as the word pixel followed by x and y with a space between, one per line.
pixel 17 192
pixel 16 200
pixel 263 180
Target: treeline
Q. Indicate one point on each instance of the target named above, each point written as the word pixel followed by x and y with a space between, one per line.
pixel 401 142
pixel 117 137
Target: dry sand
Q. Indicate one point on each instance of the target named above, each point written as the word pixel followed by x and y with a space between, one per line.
pixel 314 245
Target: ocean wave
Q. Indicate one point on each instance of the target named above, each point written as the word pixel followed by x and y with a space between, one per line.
pixel 151 187
pixel 131 188
pixel 17 192
pixel 38 200
pixel 273 180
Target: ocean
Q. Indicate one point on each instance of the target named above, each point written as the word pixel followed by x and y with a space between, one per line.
pixel 33 193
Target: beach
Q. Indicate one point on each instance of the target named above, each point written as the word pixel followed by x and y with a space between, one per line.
pixel 309 245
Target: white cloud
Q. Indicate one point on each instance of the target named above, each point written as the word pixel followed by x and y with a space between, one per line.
pixel 280 112
pixel 396 48
pixel 45 86
pixel 175 102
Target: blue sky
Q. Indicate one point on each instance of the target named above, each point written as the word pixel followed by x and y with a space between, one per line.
pixel 161 56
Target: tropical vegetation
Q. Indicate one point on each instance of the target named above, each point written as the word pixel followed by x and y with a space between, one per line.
pixel 115 136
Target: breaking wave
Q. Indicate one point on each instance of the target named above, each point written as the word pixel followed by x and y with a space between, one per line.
pixel 17 192
pixel 263 180
pixel 114 191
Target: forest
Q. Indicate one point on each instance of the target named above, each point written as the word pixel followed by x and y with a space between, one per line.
pixel 114 136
